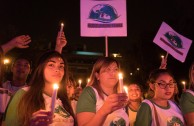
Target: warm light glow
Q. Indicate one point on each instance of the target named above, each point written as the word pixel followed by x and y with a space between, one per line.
pixel 55 86
pixel 138 69
pixel 88 80
pixel 62 24
pixel 120 76
pixel 79 81
pixel 183 82
pixel 114 55
pixel 131 74
pixel 6 61
pixel 126 89
pixel 162 56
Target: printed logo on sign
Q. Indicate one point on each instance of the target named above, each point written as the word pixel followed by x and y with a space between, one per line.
pixel 103 13
pixel 174 39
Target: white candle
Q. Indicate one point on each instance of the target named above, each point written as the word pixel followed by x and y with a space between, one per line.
pixel 80 83
pixel 61 29
pixel 62 25
pixel 126 90
pixel 120 83
pixel 184 85
pixel 54 97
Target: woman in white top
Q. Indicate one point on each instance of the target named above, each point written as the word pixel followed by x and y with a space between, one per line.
pixel 31 106
pixel 100 104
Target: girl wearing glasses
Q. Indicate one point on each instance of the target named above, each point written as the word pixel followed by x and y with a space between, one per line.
pixel 160 110
pixel 187 99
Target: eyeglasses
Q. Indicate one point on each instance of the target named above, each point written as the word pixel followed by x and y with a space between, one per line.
pixel 163 85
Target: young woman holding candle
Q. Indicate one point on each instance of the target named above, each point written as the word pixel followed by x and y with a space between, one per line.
pixel 187 99
pixel 160 110
pixel 100 104
pixel 32 105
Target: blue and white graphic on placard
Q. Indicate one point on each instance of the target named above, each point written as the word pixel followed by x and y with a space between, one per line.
pixel 103 18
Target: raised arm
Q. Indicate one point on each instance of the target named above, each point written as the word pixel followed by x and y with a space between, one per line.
pixel 164 62
pixel 60 42
pixel 17 42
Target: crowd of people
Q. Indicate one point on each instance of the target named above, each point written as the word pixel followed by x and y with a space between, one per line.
pixel 98 104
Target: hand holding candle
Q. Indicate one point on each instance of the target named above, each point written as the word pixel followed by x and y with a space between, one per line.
pixel 120 83
pixel 54 97
pixel 164 61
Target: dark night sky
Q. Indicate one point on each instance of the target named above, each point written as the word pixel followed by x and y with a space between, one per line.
pixel 41 19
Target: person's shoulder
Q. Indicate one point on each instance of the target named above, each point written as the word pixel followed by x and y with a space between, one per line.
pixel 147 101
pixel 22 90
pixel 189 92
pixel 89 89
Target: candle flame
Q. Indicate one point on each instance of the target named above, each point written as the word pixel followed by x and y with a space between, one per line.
pixel 88 80
pixel 62 24
pixel 162 56
pixel 120 76
pixel 55 86
pixel 183 82
pixel 80 81
pixel 6 61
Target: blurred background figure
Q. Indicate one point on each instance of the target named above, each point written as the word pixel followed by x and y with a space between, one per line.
pixel 20 69
pixel 21 41
pixel 187 99
pixel 135 98
pixel 73 92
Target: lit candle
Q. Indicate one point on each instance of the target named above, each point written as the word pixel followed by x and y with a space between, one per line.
pixel 184 85
pixel 126 90
pixel 54 97
pixel 6 61
pixel 61 29
pixel 120 83
pixel 80 83
pixel 162 56
pixel 88 80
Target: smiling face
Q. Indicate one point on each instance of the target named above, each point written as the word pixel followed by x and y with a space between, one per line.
pixel 160 93
pixel 54 70
pixel 134 92
pixel 108 76
pixel 20 69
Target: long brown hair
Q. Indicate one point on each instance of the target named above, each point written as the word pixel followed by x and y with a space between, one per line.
pixel 33 100
pixel 102 62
